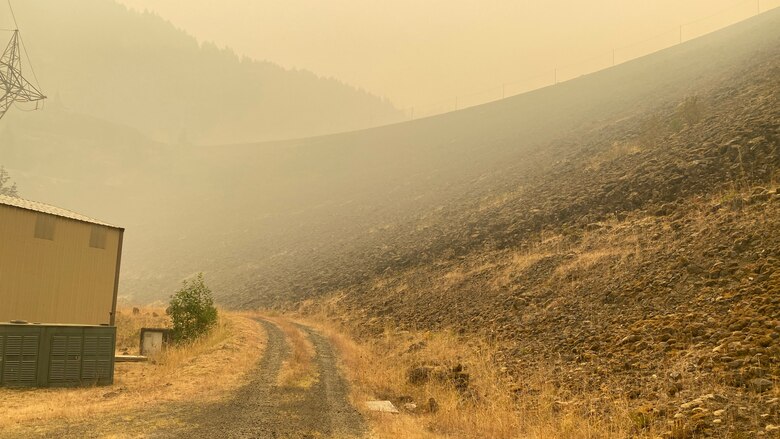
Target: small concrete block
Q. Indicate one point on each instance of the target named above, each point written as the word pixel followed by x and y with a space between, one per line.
pixel 381 406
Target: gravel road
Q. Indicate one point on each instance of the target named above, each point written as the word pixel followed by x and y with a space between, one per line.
pixel 262 409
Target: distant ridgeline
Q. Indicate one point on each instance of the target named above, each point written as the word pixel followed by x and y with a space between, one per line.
pixel 135 69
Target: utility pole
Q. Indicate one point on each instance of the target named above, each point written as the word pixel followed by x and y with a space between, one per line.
pixel 555 75
pixel 613 57
pixel 681 34
pixel 456 103
pixel 503 91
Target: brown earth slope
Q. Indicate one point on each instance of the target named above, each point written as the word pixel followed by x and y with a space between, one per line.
pixel 642 264
pixel 645 265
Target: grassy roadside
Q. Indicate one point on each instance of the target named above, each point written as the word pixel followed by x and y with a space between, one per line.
pixel 462 394
pixel 182 373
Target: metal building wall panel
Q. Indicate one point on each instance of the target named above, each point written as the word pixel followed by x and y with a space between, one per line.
pixel 63 280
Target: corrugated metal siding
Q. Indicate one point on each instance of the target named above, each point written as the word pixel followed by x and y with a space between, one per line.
pixel 64 280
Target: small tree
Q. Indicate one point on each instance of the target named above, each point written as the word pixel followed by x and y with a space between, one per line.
pixel 192 310
pixel 7 188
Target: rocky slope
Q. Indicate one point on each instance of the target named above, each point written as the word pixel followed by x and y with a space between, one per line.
pixel 642 264
pixel 646 264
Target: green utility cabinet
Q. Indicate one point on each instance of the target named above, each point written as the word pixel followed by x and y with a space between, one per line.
pixel 39 355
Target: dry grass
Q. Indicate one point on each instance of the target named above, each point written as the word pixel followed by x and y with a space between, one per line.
pixel 182 373
pixel 548 402
pixel 129 324
pixel 517 264
pixel 585 261
pixel 614 152
pixel 378 369
pixel 496 201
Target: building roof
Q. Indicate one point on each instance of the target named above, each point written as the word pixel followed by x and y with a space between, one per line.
pixel 51 210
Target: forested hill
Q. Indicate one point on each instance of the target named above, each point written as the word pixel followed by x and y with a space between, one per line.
pixel 133 68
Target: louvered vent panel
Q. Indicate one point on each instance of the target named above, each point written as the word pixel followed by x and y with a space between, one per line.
pixel 29 375
pixel 89 370
pixel 14 343
pixel 12 359
pixel 89 365
pixel 104 369
pixel 59 349
pixel 73 366
pixel 56 371
pixel 30 345
pixel 20 360
pixel 106 346
pixel 90 345
pixel 97 349
pixel 65 360
pixel 74 355
pixel 59 345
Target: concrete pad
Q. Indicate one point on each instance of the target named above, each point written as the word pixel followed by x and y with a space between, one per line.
pixel 381 406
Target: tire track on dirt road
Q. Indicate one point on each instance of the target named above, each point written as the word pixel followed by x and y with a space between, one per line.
pixel 263 409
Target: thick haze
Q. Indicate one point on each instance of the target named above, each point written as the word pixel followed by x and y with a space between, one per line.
pixel 101 60
pixel 418 52
pixel 147 129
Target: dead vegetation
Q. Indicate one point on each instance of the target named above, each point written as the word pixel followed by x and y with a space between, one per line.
pixel 130 320
pixel 182 373
pixel 446 385
pixel 557 338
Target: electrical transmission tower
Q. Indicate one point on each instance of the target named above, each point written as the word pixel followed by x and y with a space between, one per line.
pixel 14 87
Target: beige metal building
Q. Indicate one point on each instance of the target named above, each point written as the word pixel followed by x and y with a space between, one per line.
pixel 56 266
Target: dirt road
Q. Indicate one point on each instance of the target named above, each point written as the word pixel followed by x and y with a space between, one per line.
pixel 262 409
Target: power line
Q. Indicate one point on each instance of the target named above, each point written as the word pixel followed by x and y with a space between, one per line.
pixel 12 14
pixel 29 61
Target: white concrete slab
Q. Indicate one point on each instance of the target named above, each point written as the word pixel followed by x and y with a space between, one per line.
pixel 381 406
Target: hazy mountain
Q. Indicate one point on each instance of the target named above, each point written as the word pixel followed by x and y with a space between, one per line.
pixel 135 69
pixel 285 220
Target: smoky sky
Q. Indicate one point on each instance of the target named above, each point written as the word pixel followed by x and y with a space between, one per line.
pixel 422 51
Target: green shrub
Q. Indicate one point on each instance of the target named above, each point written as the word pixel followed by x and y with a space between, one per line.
pixel 192 310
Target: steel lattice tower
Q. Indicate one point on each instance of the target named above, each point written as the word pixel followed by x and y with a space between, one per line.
pixel 15 88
